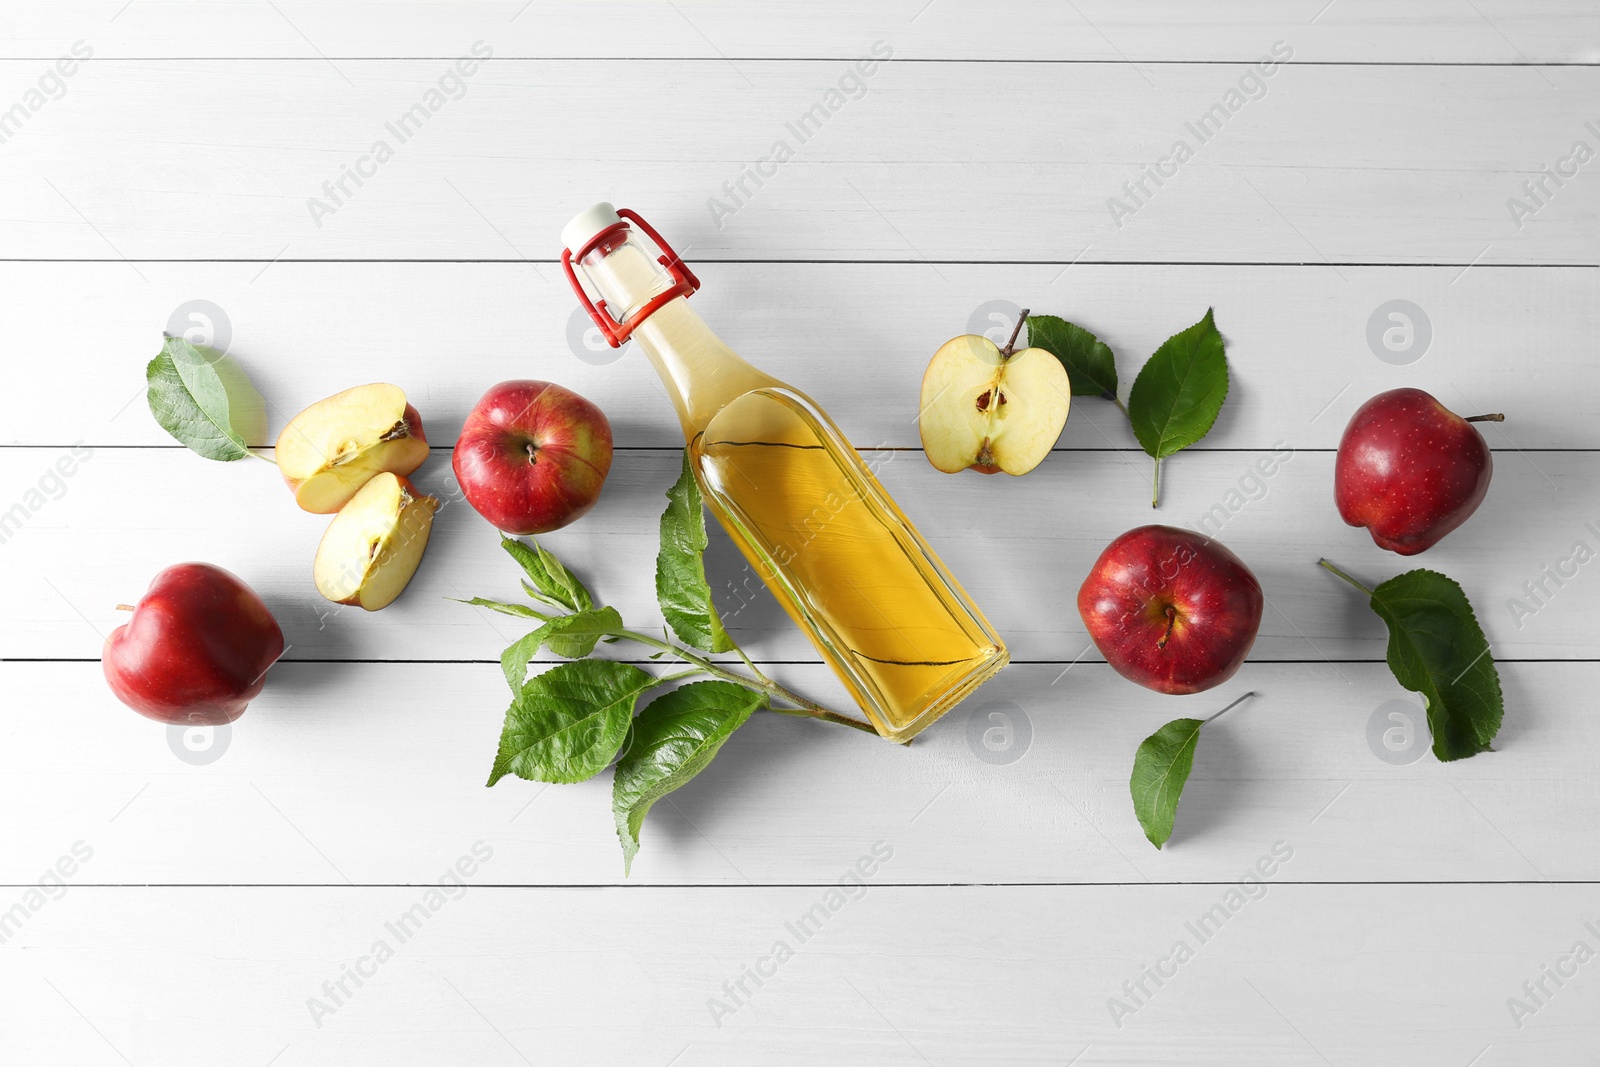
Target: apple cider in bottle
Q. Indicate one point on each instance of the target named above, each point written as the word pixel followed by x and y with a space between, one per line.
pixel 845 563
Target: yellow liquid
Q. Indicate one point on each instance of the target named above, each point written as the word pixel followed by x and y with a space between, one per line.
pixel 842 560
pixel 811 519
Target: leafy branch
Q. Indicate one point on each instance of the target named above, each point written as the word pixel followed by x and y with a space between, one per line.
pixel 570 722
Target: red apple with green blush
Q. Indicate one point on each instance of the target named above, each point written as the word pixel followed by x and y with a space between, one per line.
pixel 1171 609
pixel 532 456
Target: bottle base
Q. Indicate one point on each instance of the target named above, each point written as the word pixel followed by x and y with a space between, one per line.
pixel 955 694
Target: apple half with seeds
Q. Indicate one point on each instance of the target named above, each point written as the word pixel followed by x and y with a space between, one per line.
pixel 332 448
pixel 991 409
pixel 372 547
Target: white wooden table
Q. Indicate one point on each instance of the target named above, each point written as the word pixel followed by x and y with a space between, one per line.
pixel 168 176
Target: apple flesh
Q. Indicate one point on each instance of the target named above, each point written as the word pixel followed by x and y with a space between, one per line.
pixel 532 456
pixel 1410 470
pixel 196 650
pixel 332 448
pixel 1171 609
pixel 990 409
pixel 373 546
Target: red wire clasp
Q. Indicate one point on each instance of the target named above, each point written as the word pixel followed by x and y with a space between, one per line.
pixel 616 332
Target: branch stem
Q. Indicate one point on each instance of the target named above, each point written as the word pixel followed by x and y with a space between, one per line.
pixel 802 706
pixel 1346 577
pixel 748 662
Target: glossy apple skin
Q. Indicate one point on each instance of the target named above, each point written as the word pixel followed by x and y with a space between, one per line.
pixel 1216 609
pixel 196 650
pixel 533 456
pixel 1409 470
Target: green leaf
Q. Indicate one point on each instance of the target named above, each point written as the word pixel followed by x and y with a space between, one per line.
pixel 567 723
pixel 1436 648
pixel 1091 367
pixel 207 403
pixel 681 586
pixel 521 611
pixel 1160 769
pixel 552 582
pixel 1179 392
pixel 673 740
pixel 573 636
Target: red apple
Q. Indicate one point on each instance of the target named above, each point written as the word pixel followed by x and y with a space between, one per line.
pixel 533 456
pixel 196 650
pixel 1171 609
pixel 1410 470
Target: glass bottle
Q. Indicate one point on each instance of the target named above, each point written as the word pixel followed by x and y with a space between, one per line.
pixel 795 497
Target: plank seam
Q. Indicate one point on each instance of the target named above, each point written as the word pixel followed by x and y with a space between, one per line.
pixel 1465 64
pixel 802 885
pixel 791 662
pixel 1132 449
pixel 1324 264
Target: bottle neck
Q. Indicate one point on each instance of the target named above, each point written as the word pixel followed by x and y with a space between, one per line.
pixel 701 373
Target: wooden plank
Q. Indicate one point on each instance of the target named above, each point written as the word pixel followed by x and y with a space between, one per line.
pixel 1327 163
pixel 855 336
pixel 978 974
pixel 1021 547
pixel 373 774
pixel 1430 31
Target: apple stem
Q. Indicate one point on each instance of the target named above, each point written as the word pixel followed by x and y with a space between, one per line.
pixel 1496 417
pixel 124 607
pixel 1015 333
pixel 1346 577
pixel 1172 620
pixel 1230 707
pixel 1155 489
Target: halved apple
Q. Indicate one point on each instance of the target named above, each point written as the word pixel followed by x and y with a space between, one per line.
pixel 331 449
pixel 991 409
pixel 372 547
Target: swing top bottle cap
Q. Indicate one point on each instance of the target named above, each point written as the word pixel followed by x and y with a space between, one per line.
pixel 588 222
pixel 676 280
